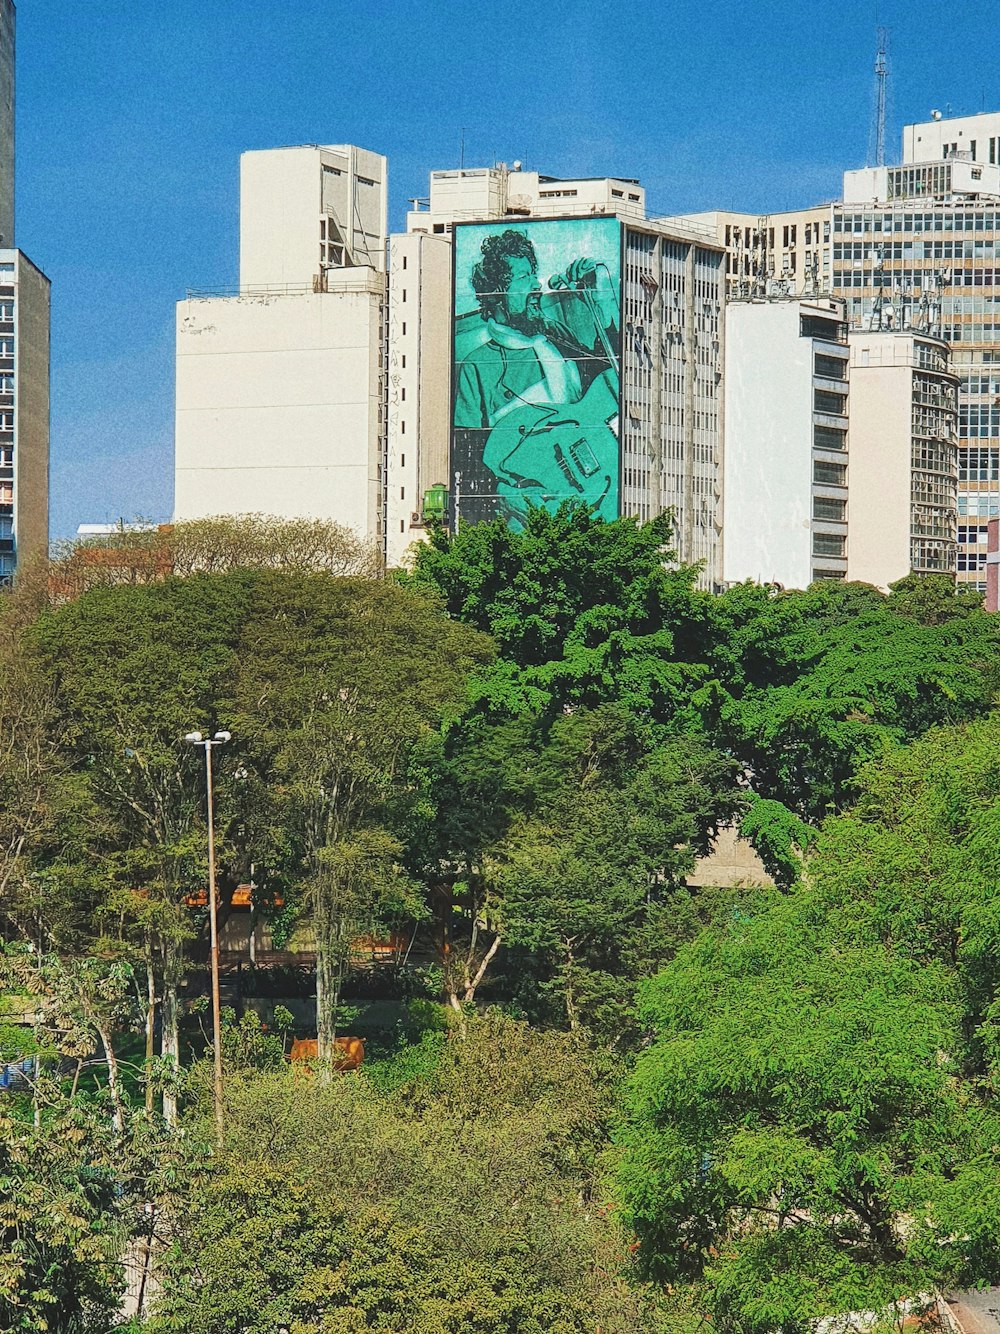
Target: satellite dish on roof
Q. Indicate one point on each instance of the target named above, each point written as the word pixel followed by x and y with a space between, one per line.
pixel 935 115
pixel 517 164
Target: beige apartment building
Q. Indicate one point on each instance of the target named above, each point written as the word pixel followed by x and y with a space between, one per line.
pixel 281 384
pixel 903 506
pixel 774 254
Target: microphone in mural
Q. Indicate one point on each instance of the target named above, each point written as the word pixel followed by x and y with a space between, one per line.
pixel 537 369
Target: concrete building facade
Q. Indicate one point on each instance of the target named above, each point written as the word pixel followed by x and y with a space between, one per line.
pixel 24 358
pixel 419 408
pixel 24 411
pixel 922 253
pixel 786 469
pixel 281 385
pixel 904 457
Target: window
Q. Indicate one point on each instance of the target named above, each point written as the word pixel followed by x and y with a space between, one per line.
pixel 979 465
pixel 829 474
pixel 825 401
pixel 404 261
pixel 829 574
pixel 404 293
pixel 830 368
pixel 826 508
pixel 814 326
pixel 402 493
pixel 404 328
pixel 828 544
pixel 402 460
pixel 828 437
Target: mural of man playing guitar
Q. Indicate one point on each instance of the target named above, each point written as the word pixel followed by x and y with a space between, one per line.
pixel 540 395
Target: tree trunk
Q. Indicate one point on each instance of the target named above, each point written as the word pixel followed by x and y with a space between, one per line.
pixel 170 1044
pixel 327 992
pixel 572 1013
pixel 150 1026
pixel 114 1082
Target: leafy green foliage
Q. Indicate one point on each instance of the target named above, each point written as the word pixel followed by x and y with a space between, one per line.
pixel 460 1202
pixel 814 1128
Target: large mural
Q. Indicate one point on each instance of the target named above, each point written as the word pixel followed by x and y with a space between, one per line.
pixel 536 375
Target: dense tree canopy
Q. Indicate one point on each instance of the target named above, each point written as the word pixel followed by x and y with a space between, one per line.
pixel 511 758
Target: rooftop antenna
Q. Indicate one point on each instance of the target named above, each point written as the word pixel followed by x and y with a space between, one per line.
pixel 876 142
pixel 461 154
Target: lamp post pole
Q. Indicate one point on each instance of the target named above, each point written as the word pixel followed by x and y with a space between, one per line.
pixel 196 739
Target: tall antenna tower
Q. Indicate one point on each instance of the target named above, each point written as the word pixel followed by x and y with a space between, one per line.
pixel 876 142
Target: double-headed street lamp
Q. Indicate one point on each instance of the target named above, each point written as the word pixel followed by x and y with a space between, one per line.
pixel 208 743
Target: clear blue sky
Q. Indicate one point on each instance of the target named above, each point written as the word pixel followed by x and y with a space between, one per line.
pixel 132 115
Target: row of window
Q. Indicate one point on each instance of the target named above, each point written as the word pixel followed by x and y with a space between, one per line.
pixel 903 220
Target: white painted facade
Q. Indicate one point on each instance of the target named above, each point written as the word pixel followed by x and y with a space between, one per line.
pixel 419 383
pixel 279 405
pixel 976 136
pixel 904 457
pixel 280 392
pixel 778 463
pixel 306 210
pixel 479 194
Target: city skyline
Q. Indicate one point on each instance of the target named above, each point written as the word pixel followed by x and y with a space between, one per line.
pixel 148 199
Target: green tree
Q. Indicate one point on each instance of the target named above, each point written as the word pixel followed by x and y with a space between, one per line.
pixel 133 668
pixel 339 682
pixel 464 1202
pixel 813 1129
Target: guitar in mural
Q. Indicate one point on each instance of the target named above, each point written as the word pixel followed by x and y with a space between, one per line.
pixel 544 454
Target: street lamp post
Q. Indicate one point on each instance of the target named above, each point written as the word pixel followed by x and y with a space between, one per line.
pixel 208 743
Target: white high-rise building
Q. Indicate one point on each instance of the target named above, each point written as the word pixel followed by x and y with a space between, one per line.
pixel 24 358
pixel 280 404
pixel 786 472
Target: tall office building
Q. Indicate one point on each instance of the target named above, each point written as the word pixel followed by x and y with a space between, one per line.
pixel 24 357
pixel 580 357
pixel 281 384
pixel 911 248
pixel 916 246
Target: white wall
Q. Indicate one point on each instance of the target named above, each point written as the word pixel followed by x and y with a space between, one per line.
pixel 278 404
pixel 419 383
pixel 280 209
pixel 926 141
pixel 878 535
pixel 768 456
pixel 283 198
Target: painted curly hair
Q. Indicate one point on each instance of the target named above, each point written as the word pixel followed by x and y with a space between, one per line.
pixel 491 275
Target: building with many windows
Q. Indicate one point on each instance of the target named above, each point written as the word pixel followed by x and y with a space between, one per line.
pixel 24 358
pixel 281 384
pixel 917 248
pixel 641 302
